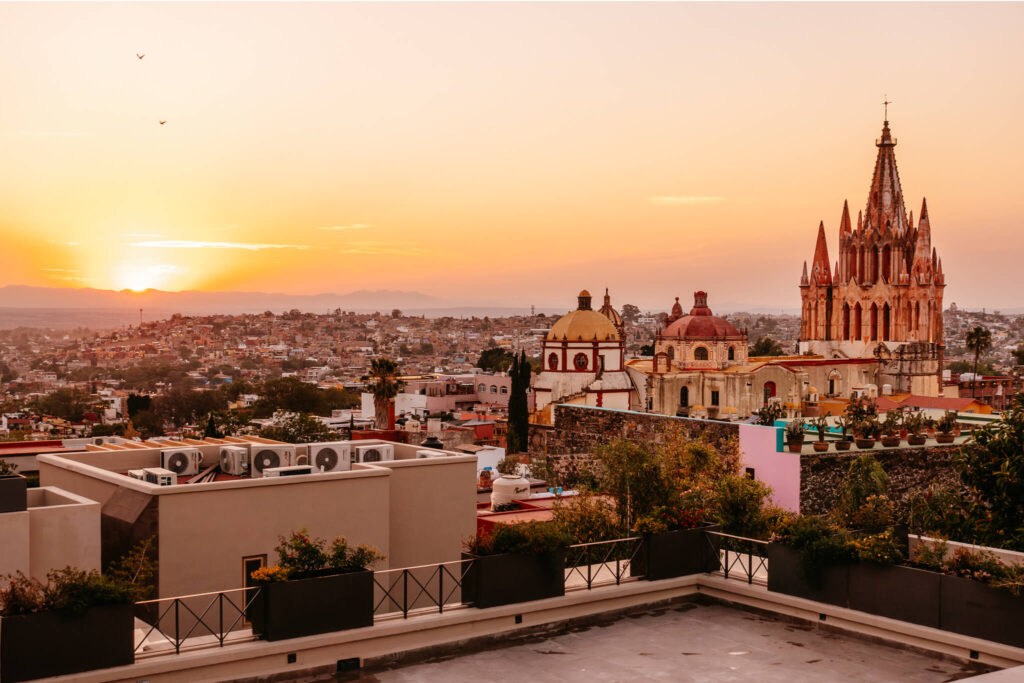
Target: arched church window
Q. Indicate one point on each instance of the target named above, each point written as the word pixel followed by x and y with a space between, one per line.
pixel 671 352
pixel 580 361
pixel 552 362
pixel 732 353
pixel 700 353
pixel 684 397
pixel 481 388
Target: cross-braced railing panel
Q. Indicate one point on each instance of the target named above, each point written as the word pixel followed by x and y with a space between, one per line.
pixel 205 618
pixel 601 562
pixel 740 558
pixel 415 588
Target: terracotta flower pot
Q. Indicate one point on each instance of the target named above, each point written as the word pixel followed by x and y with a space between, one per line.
pixel 945 438
pixel 794 445
pixel 820 446
pixel 843 445
pixel 916 439
pixel 890 441
pixel 865 443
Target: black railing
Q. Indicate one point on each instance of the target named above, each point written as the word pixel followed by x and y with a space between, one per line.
pixel 426 587
pixel 211 617
pixel 747 557
pixel 602 562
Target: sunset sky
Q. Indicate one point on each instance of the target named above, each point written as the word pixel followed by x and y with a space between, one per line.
pixel 500 153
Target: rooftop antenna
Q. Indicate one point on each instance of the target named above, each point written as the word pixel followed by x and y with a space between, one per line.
pixel 140 318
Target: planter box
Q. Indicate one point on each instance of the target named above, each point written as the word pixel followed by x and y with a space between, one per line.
pixel 973 608
pixel 493 580
pixel 890 441
pixel 897 592
pixel 12 493
pixel 865 443
pixel 677 553
pixel 945 438
pixel 48 644
pixel 786 575
pixel 304 607
pixel 843 445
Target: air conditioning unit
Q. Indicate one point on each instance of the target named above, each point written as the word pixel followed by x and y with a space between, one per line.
pixel 160 476
pixel 181 461
pixel 330 457
pixel 290 471
pixel 429 454
pixel 234 460
pixel 263 457
pixel 137 474
pixel 377 453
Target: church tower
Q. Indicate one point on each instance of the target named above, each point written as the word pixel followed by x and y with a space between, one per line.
pixel 883 298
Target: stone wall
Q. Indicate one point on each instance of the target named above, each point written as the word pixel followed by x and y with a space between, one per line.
pixel 578 430
pixel 909 470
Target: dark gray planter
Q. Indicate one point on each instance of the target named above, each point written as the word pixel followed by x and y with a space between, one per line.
pixel 12 493
pixel 48 644
pixel 492 580
pixel 678 553
pixel 305 607
pixel 895 591
pixel 973 608
pixel 786 575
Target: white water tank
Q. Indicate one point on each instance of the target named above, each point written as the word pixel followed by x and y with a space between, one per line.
pixel 508 488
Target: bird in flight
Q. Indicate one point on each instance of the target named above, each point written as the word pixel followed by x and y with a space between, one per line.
pixel 162 122
pixel 139 56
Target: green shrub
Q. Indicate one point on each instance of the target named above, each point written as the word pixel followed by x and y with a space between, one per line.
pixel 301 555
pixel 739 506
pixel 6 468
pixel 864 479
pixel 881 548
pixel 588 518
pixel 818 543
pixel 524 538
pixel 68 591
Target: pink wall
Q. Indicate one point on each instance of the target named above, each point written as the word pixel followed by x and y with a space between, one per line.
pixel 781 471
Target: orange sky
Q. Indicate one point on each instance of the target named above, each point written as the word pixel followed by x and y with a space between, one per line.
pixel 499 153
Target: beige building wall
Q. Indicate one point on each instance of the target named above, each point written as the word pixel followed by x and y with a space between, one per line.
pixel 14 543
pixel 64 531
pixel 204 534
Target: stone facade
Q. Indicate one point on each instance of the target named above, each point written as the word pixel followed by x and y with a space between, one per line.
pixel 910 470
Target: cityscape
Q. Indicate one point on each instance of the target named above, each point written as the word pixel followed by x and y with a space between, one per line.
pixel 489 355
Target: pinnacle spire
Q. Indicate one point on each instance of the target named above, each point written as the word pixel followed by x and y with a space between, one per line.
pixel 821 274
pixel 844 222
pixel 803 278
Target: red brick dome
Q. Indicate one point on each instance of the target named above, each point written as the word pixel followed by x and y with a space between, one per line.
pixel 701 324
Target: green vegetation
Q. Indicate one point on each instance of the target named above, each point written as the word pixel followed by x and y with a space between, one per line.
pixel 495 359
pixel 518 439
pixel 979 340
pixel 301 556
pixel 384 384
pixel 766 346
pixel 299 428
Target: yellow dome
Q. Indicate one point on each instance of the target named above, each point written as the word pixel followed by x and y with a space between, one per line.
pixel 585 293
pixel 583 325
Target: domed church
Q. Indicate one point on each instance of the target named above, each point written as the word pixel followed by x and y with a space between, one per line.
pixel 698 340
pixel 584 358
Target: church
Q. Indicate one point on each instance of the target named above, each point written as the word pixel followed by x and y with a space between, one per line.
pixel 883 297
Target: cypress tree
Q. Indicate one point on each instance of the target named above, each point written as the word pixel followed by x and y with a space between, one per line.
pixel 518 409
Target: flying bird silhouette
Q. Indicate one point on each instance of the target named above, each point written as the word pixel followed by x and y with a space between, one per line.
pixel 139 56
pixel 162 122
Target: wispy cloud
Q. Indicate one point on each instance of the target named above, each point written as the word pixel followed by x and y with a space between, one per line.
pixel 380 248
pixel 354 226
pixel 686 199
pixel 58 270
pixel 189 244
pixel 51 133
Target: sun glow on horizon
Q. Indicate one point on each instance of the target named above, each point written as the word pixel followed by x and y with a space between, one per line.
pixel 139 278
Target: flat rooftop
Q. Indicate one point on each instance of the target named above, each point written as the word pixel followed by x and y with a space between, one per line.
pixel 686 642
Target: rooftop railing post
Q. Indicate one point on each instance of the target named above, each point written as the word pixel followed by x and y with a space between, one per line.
pixel 440 589
pixel 405 593
pixel 177 632
pixel 220 625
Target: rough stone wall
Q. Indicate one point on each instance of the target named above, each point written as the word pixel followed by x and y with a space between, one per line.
pixel 577 431
pixel 909 469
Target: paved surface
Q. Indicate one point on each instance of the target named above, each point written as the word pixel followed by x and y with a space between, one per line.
pixel 686 643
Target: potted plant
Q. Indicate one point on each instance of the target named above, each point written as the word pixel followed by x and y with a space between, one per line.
pixel 890 430
pixel 77 621
pixel 13 496
pixel 904 427
pixel 514 563
pixel 795 435
pixel 675 544
pixel 809 557
pixel 865 433
pixel 821 424
pixel 929 427
pixel 915 426
pixel 945 427
pixel 313 588
pixel 845 423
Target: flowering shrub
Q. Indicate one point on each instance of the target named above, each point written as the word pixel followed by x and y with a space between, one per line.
pixel 301 556
pixel 883 548
pixel 668 518
pixel 68 591
pixel 525 538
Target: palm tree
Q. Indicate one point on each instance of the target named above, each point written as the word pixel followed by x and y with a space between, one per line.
pixel 979 340
pixel 384 385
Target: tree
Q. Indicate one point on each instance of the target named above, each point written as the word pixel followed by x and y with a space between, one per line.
pixel 979 340
pixel 211 431
pixel 395 313
pixel 1018 354
pixel 107 430
pixel 384 385
pixel 630 313
pixel 137 402
pixel 495 359
pixel 299 428
pixel 518 440
pixel 647 350
pixel 959 367
pixel 766 346
pixel 68 404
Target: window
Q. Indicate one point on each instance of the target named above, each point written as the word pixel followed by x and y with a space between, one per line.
pixel 671 352
pixel 700 353
pixel 732 353
pixel 504 390
pixel 684 397
pixel 494 389
pixel 714 398
pixel 580 361
pixel 601 362
pixel 481 388
pixel 553 361
pixel 769 391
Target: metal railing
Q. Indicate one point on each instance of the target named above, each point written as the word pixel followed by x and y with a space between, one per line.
pixel 425 587
pixel 602 562
pixel 207 618
pixel 747 557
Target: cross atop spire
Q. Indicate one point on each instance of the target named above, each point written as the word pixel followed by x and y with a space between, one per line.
pixel 886 102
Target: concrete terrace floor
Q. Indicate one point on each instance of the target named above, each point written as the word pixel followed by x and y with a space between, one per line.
pixel 687 642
